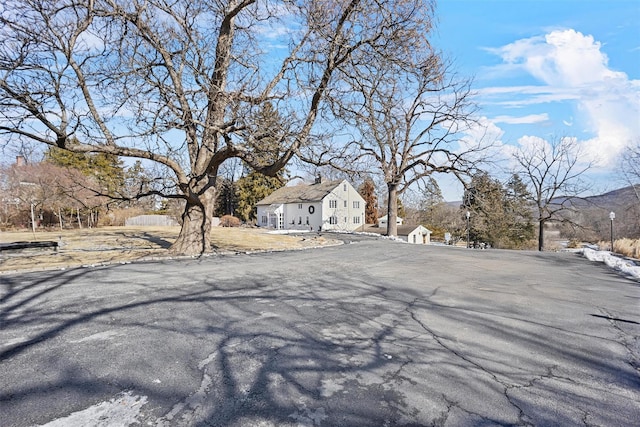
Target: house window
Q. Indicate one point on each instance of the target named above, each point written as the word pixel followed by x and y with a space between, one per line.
pixel 345 203
pixel 264 219
pixel 299 220
pixel 333 220
pixel 344 187
pixel 307 220
pixel 356 205
pixel 333 204
pixel 356 220
pixel 299 205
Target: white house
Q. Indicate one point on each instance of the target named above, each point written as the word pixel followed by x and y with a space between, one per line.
pixel 323 205
pixel 382 221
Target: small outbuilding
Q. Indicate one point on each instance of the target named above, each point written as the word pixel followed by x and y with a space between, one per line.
pixel 415 234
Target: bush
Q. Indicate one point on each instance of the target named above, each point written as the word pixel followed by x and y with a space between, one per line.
pixel 229 221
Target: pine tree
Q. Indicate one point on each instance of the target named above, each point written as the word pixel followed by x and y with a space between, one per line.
pixel 519 211
pixel 265 135
pixel 368 192
pixel 227 201
pixel 401 212
pixel 107 169
pixel 251 189
pixel 500 214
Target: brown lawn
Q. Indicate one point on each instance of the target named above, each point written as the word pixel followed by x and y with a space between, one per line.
pixel 123 244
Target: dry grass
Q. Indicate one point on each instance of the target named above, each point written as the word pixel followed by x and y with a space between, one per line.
pixel 123 244
pixel 627 247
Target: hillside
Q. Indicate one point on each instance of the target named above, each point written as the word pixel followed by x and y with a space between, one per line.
pixel 617 198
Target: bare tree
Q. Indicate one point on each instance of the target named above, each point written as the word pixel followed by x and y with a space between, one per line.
pixel 173 82
pixel 552 172
pixel 630 168
pixel 408 112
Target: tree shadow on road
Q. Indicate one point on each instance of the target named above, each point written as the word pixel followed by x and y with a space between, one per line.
pixel 234 348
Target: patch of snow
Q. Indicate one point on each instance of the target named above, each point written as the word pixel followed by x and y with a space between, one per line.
pixel 289 231
pixel 123 410
pixel 620 264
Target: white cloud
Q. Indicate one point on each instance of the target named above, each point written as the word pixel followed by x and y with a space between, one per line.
pixel 574 68
pixel 515 120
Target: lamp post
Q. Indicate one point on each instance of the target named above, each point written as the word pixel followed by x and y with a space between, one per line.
pixel 468 214
pixel 612 216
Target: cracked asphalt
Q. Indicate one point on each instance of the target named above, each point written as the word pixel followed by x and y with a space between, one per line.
pixel 371 333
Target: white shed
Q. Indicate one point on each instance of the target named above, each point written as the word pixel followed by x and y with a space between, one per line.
pixel 415 234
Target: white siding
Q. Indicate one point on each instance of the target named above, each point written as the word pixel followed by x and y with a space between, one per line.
pixel 344 195
pixel 419 236
pixel 313 215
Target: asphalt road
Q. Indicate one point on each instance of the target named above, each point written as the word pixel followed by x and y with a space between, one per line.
pixel 371 333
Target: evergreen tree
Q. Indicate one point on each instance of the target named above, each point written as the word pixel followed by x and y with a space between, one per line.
pixel 250 189
pixel 431 194
pixel 401 212
pixel 226 202
pixel 484 199
pixel 368 192
pixel 265 137
pixel 500 215
pixel 519 211
pixel 107 169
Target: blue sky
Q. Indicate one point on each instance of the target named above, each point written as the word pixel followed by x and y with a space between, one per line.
pixel 548 69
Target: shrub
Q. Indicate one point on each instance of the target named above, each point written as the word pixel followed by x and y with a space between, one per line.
pixel 229 221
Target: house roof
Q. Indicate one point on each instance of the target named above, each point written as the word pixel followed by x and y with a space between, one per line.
pixel 403 230
pixel 300 193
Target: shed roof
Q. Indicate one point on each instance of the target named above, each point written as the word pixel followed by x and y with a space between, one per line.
pixel 300 193
pixel 405 230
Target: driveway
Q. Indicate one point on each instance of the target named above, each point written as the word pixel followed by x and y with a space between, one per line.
pixel 373 333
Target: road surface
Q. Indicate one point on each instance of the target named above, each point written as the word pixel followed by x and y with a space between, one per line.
pixel 370 333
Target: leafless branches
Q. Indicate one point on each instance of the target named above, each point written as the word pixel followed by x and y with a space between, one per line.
pixel 553 173
pixel 174 82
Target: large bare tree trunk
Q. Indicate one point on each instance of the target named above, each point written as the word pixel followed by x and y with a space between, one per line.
pixel 392 210
pixel 541 235
pixel 195 235
pixel 205 75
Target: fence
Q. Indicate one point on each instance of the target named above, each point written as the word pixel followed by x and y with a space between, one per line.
pixel 151 220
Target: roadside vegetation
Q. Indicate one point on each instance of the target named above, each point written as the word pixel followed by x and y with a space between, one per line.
pixel 627 247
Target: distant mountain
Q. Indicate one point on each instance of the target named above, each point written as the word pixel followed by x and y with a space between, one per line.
pixel 621 197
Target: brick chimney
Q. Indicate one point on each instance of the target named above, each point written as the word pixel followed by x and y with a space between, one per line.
pixel 318 179
pixel 20 161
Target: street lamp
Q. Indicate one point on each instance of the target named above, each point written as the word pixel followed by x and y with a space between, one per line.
pixel 612 216
pixel 468 214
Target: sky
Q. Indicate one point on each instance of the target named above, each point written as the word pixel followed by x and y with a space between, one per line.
pixel 550 69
